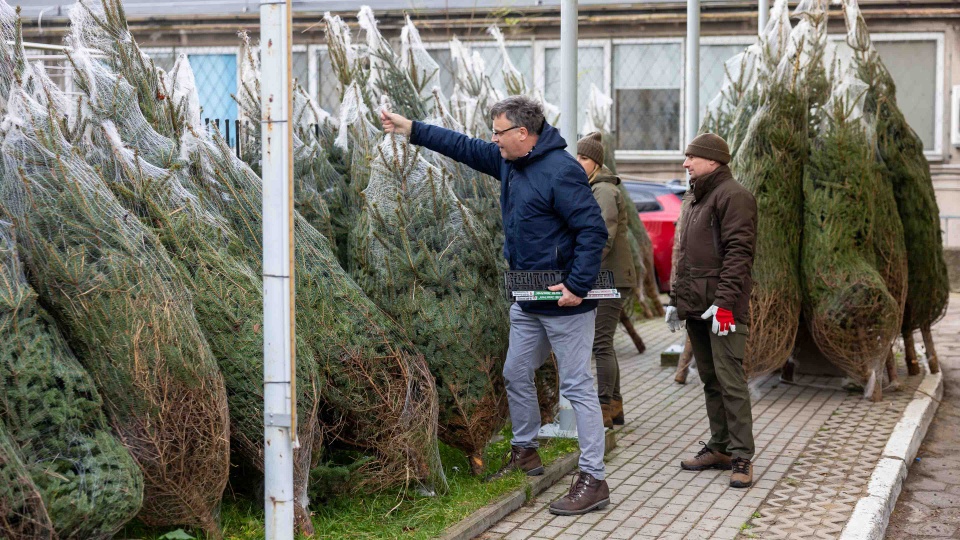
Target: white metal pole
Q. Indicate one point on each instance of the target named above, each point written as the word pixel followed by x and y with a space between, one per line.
pixel 692 79
pixel 692 86
pixel 568 73
pixel 763 15
pixel 566 419
pixel 279 399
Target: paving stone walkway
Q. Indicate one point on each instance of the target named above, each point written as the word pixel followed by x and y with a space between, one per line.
pixel 799 429
pixel 929 505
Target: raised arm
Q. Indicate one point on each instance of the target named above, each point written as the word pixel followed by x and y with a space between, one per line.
pixel 477 154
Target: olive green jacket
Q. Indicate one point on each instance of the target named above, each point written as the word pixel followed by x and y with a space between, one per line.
pixel 614 207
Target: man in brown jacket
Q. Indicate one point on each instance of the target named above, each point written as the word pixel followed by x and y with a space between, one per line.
pixel 618 259
pixel 710 292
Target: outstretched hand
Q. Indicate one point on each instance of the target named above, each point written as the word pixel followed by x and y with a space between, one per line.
pixel 394 123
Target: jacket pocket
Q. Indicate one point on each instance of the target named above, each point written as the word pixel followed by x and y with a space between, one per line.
pixel 705 282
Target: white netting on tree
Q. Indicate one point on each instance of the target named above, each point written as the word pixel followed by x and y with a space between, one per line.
pixel 228 299
pixel 421 255
pixel 100 29
pixel 512 78
pixel 22 513
pixel 376 391
pixel 907 171
pixel 599 107
pixel 11 51
pixel 851 314
pixel 313 174
pixel 422 69
pixel 89 483
pixel 126 311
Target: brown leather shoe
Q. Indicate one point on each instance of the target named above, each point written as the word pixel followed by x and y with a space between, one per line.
pixel 524 459
pixel 742 473
pixel 617 412
pixel 606 409
pixel 706 459
pixel 586 494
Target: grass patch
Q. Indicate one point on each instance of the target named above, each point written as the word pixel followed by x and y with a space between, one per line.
pixel 391 514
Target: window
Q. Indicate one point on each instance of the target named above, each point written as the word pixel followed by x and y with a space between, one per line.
pixel 216 76
pixel 520 55
pixel 590 70
pixel 913 66
pixel 446 74
pixel 328 87
pixel 915 62
pixel 646 83
pixel 712 74
pixel 301 68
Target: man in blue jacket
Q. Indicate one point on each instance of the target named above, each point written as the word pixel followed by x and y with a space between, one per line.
pixel 551 221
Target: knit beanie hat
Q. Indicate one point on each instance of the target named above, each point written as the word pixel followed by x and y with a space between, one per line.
pixel 592 147
pixel 709 146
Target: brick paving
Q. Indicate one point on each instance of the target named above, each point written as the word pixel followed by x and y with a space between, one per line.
pixel 651 497
pixel 929 505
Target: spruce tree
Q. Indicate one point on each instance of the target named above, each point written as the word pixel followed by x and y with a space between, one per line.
pixel 430 264
pixel 906 170
pixel 125 310
pixel 89 484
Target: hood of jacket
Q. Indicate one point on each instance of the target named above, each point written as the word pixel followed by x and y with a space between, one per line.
pixel 603 174
pixel 549 140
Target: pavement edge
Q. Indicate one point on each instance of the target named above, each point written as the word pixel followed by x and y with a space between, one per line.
pixel 478 522
pixel 872 513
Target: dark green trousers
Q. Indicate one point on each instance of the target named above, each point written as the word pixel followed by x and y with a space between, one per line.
pixel 608 369
pixel 720 366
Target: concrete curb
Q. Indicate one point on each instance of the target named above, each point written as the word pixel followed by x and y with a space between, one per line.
pixel 486 517
pixel 478 522
pixel 872 513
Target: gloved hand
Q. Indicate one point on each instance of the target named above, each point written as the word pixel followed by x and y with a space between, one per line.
pixel 672 319
pixel 723 322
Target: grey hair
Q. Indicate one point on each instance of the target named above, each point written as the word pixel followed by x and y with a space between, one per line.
pixel 521 111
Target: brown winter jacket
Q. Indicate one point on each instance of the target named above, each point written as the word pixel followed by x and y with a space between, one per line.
pixel 716 239
pixel 617 256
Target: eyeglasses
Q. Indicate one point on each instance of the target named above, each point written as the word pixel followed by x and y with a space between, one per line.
pixel 500 133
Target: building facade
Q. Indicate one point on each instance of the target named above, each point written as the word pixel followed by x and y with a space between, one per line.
pixel 633 51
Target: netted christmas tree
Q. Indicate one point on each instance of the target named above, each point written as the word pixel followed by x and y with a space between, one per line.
pixel 906 170
pixel 89 483
pixel 99 27
pixel 22 512
pixel 11 51
pixel 770 163
pixel 376 391
pixel 321 194
pixel 227 292
pixel 851 315
pixel 125 310
pixel 421 255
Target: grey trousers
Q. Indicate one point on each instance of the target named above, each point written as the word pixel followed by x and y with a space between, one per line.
pixel 571 338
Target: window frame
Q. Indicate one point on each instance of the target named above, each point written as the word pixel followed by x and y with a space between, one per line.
pixel 236 50
pixel 652 156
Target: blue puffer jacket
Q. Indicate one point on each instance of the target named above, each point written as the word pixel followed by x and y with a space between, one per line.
pixel 551 220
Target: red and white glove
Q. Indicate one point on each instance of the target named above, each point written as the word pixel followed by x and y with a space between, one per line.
pixel 723 322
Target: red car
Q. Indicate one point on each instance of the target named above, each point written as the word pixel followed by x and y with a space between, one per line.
pixel 658 204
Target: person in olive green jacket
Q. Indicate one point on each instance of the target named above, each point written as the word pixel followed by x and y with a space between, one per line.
pixel 616 258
